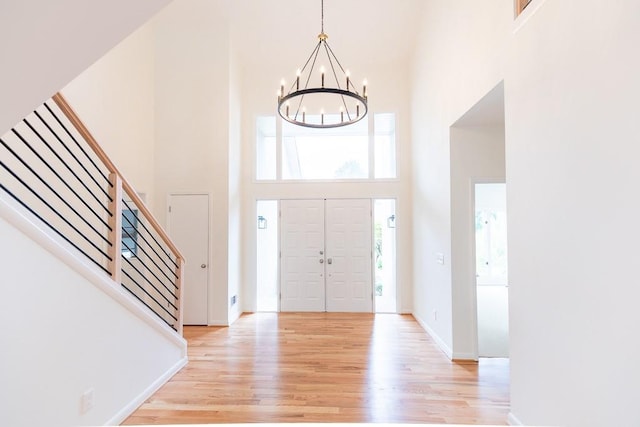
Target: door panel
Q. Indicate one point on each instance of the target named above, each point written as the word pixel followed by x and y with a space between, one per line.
pixel 348 244
pixel 189 229
pixel 338 280
pixel 302 285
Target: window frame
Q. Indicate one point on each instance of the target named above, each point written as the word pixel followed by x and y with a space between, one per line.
pixel 371 138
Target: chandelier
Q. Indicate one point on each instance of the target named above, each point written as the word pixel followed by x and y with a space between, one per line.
pixel 335 90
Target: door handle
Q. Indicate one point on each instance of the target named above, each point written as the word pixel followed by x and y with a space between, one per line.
pixel 321 261
pixel 329 261
pixel 203 266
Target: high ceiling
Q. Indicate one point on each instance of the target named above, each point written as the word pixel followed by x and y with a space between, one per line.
pixel 362 33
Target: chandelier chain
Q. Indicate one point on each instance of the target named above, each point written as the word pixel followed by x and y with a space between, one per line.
pixel 322 17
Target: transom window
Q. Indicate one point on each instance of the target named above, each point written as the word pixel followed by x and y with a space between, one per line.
pixel 363 150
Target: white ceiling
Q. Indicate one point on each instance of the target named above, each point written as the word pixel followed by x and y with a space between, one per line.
pixel 361 32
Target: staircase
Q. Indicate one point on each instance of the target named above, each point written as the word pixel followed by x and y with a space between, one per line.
pixel 92 285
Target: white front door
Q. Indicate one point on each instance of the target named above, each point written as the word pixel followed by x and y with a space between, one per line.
pixel 348 244
pixel 189 229
pixel 326 255
pixel 302 265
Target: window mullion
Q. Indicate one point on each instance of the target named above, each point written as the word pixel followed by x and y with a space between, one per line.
pixel 279 142
pixel 371 146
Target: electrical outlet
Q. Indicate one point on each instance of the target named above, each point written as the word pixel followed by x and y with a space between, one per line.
pixel 234 299
pixel 440 258
pixel 87 400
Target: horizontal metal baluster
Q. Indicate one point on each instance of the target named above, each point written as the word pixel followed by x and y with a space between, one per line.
pixel 148 243
pixel 146 279
pixel 81 149
pixel 53 210
pixel 72 154
pixel 56 193
pixel 144 264
pixel 59 233
pixel 158 243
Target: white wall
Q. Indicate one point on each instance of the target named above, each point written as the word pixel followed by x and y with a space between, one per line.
pixel 259 98
pixel 43 45
pixel 165 105
pixel 63 337
pixel 235 187
pixel 572 94
pixel 192 123
pixel 477 154
pixel 115 100
pixel 458 59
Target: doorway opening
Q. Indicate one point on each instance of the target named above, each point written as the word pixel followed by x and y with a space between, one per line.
pixel 491 269
pixel 267 255
pixel 384 255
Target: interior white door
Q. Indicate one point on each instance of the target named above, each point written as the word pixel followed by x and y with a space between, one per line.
pixel 302 285
pixel 348 255
pixel 189 229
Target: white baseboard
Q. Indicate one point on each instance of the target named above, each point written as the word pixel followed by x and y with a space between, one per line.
pixel 513 421
pixel 235 316
pixel 441 344
pixel 147 393
pixel 465 356
pixel 219 322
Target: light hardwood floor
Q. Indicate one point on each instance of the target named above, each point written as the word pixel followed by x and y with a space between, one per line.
pixel 326 367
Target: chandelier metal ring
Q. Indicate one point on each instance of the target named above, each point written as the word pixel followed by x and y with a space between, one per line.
pixel 299 119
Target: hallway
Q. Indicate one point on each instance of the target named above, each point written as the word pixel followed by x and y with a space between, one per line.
pixel 326 367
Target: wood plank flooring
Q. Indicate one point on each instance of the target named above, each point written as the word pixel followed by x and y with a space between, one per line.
pixel 326 367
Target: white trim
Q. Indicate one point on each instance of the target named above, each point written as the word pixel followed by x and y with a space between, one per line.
pixel 513 420
pixel 129 408
pixel 465 356
pixel 218 322
pixel 43 236
pixel 443 346
pixel 235 315
pixel 531 9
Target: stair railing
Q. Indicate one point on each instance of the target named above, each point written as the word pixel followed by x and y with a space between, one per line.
pixel 52 166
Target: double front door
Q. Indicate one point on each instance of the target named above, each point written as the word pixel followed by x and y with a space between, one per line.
pixel 326 257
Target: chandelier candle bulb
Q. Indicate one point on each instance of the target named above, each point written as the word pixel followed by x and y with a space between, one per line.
pixel 322 76
pixel 282 87
pixel 287 109
pixel 358 110
pixel 364 89
pixel 298 79
pixel 347 74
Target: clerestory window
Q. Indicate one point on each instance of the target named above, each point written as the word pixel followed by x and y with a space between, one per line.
pixel 362 151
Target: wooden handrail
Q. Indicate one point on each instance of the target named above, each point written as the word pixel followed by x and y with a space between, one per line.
pixel 64 106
